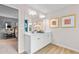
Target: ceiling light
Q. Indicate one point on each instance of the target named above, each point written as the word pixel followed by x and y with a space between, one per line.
pixel 32 12
pixel 42 16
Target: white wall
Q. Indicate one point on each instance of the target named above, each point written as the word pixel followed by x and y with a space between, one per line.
pixel 21 31
pixel 68 37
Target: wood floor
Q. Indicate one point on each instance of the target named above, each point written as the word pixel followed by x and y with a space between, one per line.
pixel 11 41
pixel 53 49
pixel 8 46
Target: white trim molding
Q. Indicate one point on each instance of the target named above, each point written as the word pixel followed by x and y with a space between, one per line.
pixel 76 50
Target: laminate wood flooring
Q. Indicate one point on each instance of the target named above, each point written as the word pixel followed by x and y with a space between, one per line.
pixel 8 46
pixel 54 49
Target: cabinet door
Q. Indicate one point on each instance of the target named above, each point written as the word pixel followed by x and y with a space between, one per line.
pixel 44 40
pixel 35 44
pixel 39 41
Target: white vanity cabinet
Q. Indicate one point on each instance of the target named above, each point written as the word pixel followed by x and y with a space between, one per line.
pixel 27 43
pixel 37 41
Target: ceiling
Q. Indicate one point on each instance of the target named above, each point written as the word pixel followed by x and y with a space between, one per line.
pixel 43 8
pixel 48 8
pixel 8 11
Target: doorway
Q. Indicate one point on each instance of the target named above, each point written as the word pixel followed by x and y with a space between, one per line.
pixel 8 30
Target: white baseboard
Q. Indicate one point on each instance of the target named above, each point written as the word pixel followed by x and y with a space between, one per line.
pixel 66 47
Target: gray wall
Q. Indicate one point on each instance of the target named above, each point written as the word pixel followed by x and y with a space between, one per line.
pixel 68 37
pixel 11 21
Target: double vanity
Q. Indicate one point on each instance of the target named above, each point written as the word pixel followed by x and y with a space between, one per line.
pixel 36 41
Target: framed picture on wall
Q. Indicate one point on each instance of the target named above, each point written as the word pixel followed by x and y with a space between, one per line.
pixel 69 21
pixel 54 23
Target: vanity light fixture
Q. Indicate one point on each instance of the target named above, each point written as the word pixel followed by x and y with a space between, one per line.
pixel 32 12
pixel 41 16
